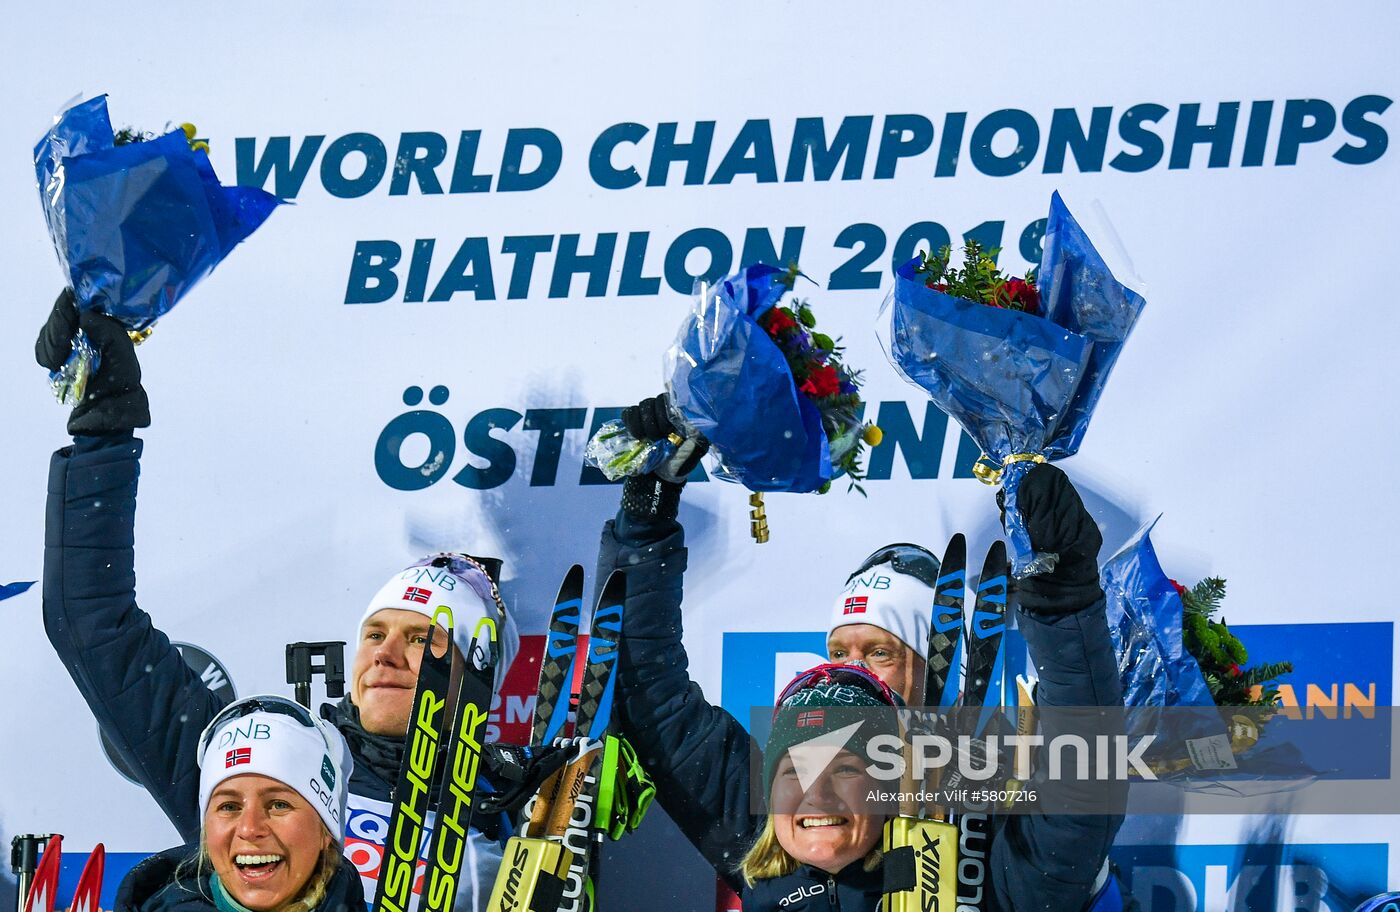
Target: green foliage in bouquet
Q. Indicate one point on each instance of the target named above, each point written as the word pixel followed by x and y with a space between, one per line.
pixel 979 279
pixel 1220 653
pixel 822 375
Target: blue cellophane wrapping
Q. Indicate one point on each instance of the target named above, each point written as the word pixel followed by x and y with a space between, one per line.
pixel 1144 620
pixel 1145 623
pixel 1017 382
pixel 136 226
pixel 731 382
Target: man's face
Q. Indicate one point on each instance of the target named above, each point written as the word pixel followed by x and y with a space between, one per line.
pixel 385 672
pixel 893 662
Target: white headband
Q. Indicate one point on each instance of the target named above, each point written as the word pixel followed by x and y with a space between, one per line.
pixel 313 761
pixel 423 589
pixel 890 600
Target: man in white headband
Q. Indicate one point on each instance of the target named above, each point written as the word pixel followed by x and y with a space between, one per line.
pixel 397 623
pixel 881 617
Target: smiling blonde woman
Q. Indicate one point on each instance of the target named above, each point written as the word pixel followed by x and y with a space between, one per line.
pixel 272 789
pixel 815 852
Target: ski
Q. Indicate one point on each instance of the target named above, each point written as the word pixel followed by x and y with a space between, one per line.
pixel 547 868
pixel 921 852
pixel 986 669
pixel 986 656
pixel 942 679
pixel 576 800
pixel 44 886
pixel 558 671
pixel 557 663
pixel 417 782
pixel 88 894
pixel 943 672
pixel 461 762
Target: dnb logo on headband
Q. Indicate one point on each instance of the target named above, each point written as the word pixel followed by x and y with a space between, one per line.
pixel 327 772
pixel 208 669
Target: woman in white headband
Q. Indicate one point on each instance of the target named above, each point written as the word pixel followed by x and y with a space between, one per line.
pixel 272 790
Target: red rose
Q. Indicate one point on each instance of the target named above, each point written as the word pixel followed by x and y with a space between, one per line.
pixel 1022 292
pixel 777 320
pixel 823 381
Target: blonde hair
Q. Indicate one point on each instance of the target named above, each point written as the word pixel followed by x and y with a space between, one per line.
pixel 311 896
pixel 768 859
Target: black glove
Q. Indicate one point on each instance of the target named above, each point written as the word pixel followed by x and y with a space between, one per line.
pixel 114 400
pixel 1057 522
pixel 657 495
pixel 517 773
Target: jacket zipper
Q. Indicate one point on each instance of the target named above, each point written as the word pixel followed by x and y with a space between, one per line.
pixel 831 892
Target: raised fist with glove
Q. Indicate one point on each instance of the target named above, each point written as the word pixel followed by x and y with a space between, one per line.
pixel 114 400
pixel 1057 522
pixel 657 494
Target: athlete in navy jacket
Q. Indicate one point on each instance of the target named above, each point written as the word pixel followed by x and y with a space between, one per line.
pixel 150 705
pixel 701 757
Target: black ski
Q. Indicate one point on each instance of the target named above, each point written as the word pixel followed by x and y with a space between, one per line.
pixel 536 866
pixel 575 802
pixel 943 677
pixel 986 657
pixel 921 847
pixel 460 765
pixel 986 669
pixel 558 662
pixel 418 785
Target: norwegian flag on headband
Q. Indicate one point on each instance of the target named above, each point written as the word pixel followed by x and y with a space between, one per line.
pixel 810 717
pixel 416 594
pixel 855 604
pixel 237 756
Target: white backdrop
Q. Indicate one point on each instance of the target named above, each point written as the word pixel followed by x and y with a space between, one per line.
pixel 1251 406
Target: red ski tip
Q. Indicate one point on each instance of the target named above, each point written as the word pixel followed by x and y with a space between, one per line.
pixel 88 895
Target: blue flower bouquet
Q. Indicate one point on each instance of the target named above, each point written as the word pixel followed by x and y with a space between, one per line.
pixel 770 393
pixel 1205 715
pixel 136 223
pixel 1022 367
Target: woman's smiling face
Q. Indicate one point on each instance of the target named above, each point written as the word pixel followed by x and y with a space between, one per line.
pixel 820 826
pixel 264 840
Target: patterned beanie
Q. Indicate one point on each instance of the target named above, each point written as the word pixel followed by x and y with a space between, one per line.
pixel 823 710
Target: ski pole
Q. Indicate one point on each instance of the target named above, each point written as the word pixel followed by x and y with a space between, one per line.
pixel 24 858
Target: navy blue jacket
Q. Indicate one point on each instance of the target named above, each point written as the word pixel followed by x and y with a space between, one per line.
pixel 700 755
pixel 151 706
pixel 152 886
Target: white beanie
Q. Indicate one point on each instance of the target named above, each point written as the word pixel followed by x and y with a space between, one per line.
pixel 465 589
pixel 883 597
pixel 312 760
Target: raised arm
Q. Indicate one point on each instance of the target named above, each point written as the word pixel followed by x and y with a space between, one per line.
pixel 699 755
pixel 148 702
pixel 1061 617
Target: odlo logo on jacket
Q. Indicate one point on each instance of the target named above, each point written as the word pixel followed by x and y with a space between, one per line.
pixel 796 896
